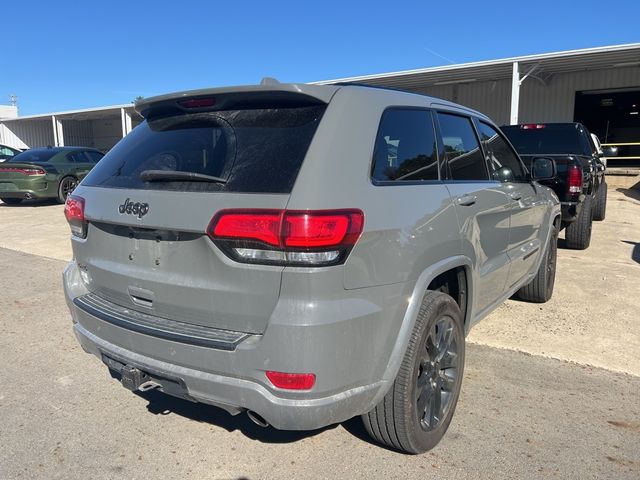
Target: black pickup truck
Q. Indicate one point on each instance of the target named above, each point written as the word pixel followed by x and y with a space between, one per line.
pixel 579 181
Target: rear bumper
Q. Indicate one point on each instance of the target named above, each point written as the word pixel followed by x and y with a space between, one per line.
pixel 26 189
pixel 349 352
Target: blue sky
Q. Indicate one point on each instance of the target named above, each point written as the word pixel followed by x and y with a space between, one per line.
pixel 65 55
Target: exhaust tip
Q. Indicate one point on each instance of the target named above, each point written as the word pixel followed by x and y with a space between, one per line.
pixel 257 419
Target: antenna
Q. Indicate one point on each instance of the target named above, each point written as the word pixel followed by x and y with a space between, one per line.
pixel 14 100
pixel 269 81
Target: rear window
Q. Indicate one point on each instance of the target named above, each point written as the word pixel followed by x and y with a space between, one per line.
pixel 254 150
pixel 547 139
pixel 33 156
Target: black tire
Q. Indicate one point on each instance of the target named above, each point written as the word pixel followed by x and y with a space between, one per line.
pixel 11 201
pixel 540 289
pixel 430 374
pixel 66 186
pixel 578 236
pixel 600 207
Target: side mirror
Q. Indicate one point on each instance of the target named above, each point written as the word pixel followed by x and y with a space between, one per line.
pixel 543 168
pixel 609 151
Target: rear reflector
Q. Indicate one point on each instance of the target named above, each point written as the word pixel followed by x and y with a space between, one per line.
pixel 24 171
pixel 198 102
pixel 574 179
pixel 74 213
pixel 532 126
pixel 292 381
pixel 287 237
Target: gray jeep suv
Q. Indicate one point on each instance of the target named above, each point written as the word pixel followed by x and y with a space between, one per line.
pixel 306 253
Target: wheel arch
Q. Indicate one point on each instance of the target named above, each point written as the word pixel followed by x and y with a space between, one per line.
pixel 458 263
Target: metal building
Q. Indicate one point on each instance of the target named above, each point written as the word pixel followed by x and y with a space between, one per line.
pixel 100 128
pixel 599 87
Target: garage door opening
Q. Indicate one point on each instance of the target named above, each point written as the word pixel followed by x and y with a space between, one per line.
pixel 614 116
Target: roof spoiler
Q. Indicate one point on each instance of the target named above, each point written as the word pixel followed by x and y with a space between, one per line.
pixel 265 95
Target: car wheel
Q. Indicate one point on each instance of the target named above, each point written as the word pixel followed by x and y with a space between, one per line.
pixel 11 201
pixel 67 185
pixel 416 412
pixel 600 208
pixel 578 235
pixel 540 289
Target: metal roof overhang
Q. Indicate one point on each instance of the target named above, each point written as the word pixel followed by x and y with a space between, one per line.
pixel 546 65
pixel 82 114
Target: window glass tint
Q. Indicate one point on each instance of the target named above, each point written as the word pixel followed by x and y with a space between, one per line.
pixel 255 150
pixel 504 165
pixel 405 147
pixel 547 139
pixel 34 155
pixel 76 157
pixel 461 148
pixel 94 157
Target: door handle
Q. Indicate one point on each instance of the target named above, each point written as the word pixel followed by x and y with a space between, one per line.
pixel 467 200
pixel 515 195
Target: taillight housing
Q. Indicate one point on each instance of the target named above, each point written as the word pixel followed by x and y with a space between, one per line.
pixel 574 179
pixel 287 237
pixel 74 213
pixel 25 171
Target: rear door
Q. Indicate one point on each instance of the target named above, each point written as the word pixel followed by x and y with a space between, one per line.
pixel 527 211
pixel 481 205
pixel 147 248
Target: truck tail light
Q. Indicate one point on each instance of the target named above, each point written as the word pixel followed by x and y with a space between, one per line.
pixel 292 381
pixel 287 237
pixel 74 213
pixel 574 179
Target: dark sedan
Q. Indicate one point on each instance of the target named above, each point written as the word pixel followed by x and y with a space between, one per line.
pixel 45 173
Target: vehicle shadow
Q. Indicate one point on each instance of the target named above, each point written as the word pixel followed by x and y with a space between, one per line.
pixel 31 203
pixel 163 404
pixel 635 253
pixel 630 192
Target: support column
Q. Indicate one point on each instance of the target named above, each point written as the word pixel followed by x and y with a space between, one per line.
pixel 58 132
pixel 515 94
pixel 125 119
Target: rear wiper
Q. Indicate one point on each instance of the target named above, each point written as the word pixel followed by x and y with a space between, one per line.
pixel 178 176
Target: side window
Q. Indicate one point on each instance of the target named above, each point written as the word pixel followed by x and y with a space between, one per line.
pixel 405 148
pixel 76 157
pixel 94 157
pixel 504 164
pixel 461 148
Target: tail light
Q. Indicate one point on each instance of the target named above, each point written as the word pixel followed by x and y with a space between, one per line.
pixel 24 171
pixel 74 213
pixel 292 381
pixel 574 179
pixel 533 126
pixel 287 237
pixel 198 102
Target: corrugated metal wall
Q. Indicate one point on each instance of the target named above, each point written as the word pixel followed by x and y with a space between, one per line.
pixel 553 102
pixel 77 133
pixel 27 133
pixel 106 132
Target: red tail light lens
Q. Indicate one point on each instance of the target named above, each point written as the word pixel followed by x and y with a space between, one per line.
pixel 262 227
pixel 532 126
pixel 287 237
pixel 292 381
pixel 574 179
pixel 74 213
pixel 24 171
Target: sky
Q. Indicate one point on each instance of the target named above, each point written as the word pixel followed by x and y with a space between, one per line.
pixel 67 55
